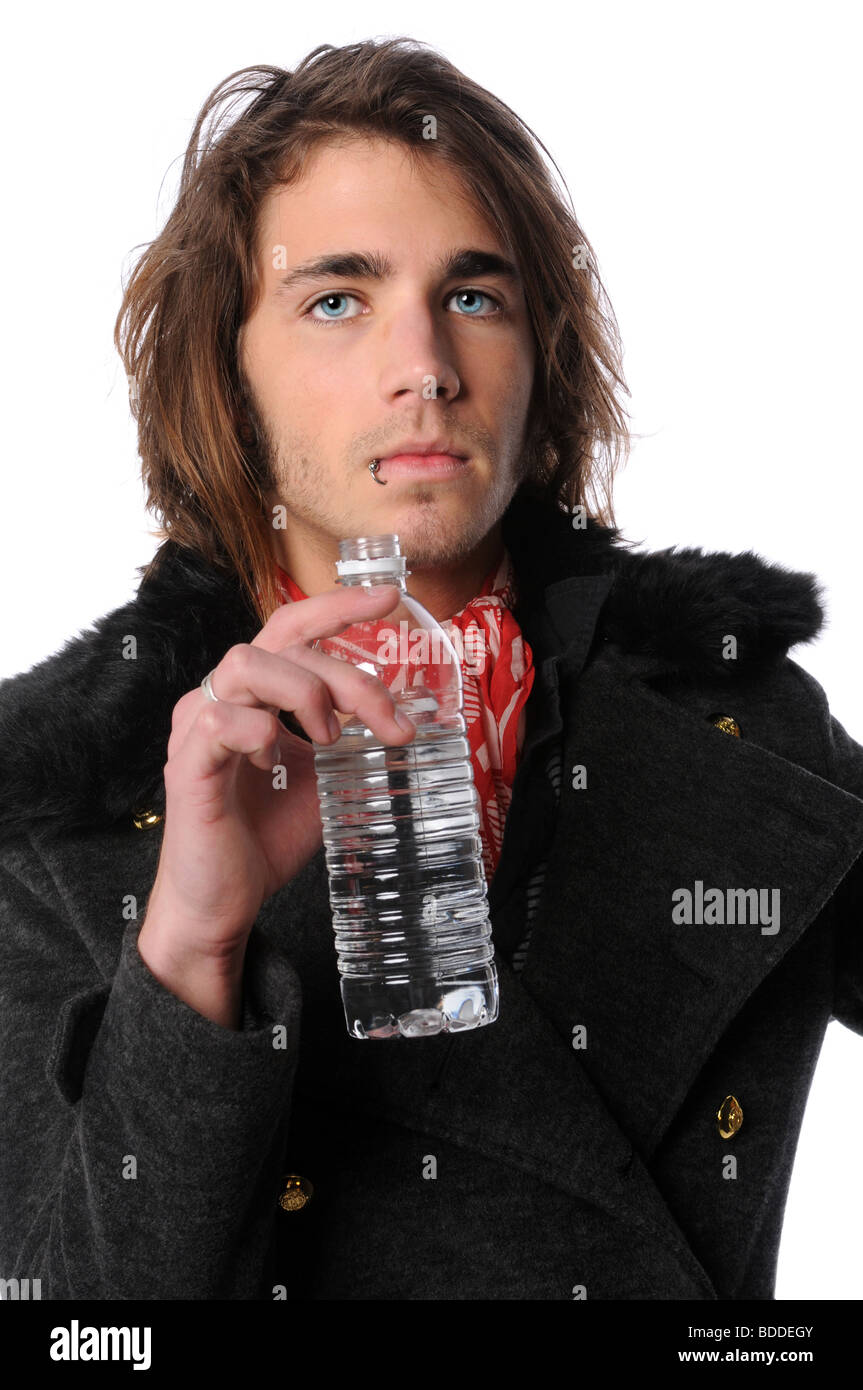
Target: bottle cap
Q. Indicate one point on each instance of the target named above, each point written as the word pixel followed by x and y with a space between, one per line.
pixel 383 564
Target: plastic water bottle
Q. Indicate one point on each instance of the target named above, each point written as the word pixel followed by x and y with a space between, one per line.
pixel 401 828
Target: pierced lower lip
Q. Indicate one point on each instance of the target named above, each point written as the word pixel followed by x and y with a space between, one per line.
pixel 427 465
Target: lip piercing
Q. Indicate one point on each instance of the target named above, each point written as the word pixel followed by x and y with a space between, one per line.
pixel 373 469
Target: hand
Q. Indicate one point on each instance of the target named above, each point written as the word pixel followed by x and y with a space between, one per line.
pixel 231 838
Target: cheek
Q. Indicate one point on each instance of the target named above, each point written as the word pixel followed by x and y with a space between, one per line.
pixel 283 378
pixel 527 359
pixel 516 385
pixel 512 371
pixel 294 391
pixel 318 374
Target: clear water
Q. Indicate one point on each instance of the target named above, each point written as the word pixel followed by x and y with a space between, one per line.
pixel 407 884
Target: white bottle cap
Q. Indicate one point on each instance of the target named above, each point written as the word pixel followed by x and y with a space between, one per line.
pixel 384 564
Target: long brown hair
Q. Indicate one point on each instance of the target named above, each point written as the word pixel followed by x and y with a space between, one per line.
pixel 199 280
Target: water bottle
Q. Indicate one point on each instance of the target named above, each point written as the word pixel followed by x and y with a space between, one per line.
pixel 401 830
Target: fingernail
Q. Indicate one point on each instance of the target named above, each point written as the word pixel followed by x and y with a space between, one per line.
pixel 335 726
pixel 403 721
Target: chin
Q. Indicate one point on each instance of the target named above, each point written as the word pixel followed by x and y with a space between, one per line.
pixel 429 538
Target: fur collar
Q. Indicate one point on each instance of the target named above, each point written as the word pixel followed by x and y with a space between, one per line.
pixel 83 734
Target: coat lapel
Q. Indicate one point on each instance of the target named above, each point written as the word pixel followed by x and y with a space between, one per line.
pixel 670 800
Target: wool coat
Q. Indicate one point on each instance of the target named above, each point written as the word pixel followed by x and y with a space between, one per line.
pixel 625 1129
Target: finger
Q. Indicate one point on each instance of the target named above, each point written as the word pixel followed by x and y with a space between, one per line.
pixel 324 615
pixel 310 685
pixel 187 709
pixel 216 737
pixel 352 691
pixel 282 629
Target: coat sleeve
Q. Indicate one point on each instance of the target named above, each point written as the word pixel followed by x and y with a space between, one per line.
pixel 140 1142
pixel 846 757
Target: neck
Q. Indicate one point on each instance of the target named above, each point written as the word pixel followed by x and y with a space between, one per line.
pixel 443 590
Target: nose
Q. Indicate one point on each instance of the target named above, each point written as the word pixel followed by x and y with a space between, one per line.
pixel 416 354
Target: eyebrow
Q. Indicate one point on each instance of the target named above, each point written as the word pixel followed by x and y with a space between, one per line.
pixel 370 265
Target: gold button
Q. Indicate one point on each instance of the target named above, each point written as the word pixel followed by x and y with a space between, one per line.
pixel 726 723
pixel 298 1191
pixel 146 820
pixel 729 1117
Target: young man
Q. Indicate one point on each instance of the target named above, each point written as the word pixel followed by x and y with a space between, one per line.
pixel 371 263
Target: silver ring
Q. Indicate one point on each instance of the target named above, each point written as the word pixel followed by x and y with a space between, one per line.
pixel 207 687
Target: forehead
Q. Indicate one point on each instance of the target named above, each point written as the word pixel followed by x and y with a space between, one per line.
pixel 375 189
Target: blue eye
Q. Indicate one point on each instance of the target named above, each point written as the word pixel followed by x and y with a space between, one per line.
pixel 326 301
pixel 481 294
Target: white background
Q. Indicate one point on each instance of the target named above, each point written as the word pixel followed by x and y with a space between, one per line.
pixel 712 153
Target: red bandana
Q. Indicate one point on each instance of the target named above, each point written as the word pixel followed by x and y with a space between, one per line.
pixel 498 675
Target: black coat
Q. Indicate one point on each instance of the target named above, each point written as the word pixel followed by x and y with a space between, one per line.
pixel 576 1145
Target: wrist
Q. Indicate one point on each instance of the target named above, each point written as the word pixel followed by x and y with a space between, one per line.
pixel 188 939
pixel 209 980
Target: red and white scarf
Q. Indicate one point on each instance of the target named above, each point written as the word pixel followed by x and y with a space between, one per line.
pixel 497 677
